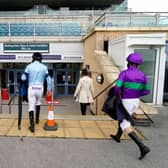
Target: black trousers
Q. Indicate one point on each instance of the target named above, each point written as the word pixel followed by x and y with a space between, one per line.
pixel 83 107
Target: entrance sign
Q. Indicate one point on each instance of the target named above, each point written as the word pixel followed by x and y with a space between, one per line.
pixel 25 47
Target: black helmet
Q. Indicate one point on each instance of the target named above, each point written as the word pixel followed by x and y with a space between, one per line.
pixel 37 56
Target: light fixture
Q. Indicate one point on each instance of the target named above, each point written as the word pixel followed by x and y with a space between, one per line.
pixel 100 78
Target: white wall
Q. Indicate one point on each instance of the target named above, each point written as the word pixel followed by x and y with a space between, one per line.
pixel 67 48
pixel 71 50
pixel 117 50
pixel 161 75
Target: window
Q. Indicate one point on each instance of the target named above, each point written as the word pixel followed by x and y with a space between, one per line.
pixel 148 67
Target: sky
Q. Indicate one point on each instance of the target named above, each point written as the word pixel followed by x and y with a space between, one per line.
pixel 148 5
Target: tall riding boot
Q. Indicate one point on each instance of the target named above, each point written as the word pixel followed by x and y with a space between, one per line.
pixel 118 135
pixel 143 149
pixel 37 114
pixel 31 118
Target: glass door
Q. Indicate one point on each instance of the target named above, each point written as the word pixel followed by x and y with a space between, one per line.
pixel 65 79
pixel 60 82
pixel 65 82
pixel 148 67
pixel 71 82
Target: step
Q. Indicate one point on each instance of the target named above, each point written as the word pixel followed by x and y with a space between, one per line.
pixel 142 123
pixel 63 117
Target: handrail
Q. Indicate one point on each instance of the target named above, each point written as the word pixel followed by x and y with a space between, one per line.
pixel 13 97
pixel 104 89
pixel 101 93
pixel 10 101
pixel 146 113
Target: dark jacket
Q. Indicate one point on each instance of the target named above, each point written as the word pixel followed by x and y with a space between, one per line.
pixel 115 109
pixel 24 90
pixel 109 107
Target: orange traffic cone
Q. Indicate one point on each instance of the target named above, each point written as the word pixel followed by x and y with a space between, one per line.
pixel 50 124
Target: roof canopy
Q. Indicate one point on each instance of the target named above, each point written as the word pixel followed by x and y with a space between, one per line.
pixel 14 5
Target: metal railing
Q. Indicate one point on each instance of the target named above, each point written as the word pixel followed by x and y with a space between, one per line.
pixel 105 19
pixel 132 19
pixel 13 97
pixel 71 28
pixel 100 93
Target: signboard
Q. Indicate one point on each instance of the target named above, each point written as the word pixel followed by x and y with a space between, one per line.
pixel 7 57
pixel 44 57
pixel 52 57
pixel 25 47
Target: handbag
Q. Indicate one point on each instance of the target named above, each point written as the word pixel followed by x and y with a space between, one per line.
pixel 109 106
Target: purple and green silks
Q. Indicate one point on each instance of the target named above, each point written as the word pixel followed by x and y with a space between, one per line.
pixel 132 83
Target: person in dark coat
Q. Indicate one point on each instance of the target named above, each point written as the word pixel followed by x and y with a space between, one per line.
pixel 130 85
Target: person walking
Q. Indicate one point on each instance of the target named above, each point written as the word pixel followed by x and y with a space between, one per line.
pixel 130 86
pixel 84 91
pixel 36 73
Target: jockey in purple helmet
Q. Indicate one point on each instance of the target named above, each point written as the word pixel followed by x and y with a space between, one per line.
pixel 131 84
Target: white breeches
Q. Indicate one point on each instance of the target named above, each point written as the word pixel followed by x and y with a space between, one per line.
pixel 35 93
pixel 130 105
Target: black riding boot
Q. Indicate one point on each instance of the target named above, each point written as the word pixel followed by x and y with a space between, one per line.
pixel 118 135
pixel 31 118
pixel 143 149
pixel 37 114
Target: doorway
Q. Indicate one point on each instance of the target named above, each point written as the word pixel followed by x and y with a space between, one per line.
pixel 65 79
pixel 149 68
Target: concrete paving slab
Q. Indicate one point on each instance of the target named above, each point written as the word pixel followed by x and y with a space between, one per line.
pixel 86 129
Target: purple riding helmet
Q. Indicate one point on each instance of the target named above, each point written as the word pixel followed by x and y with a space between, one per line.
pixel 135 58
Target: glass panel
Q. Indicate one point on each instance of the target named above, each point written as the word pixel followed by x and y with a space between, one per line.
pixel 11 80
pixel 148 67
pixel 71 77
pixel 18 76
pixel 71 90
pixel 3 78
pixel 60 77
pixel 60 66
pixel 60 90
pixel 68 65
pixel 17 81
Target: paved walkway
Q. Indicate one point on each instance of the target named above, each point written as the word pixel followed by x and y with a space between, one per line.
pixel 67 117
pixel 88 153
pixel 67 128
pixel 80 142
